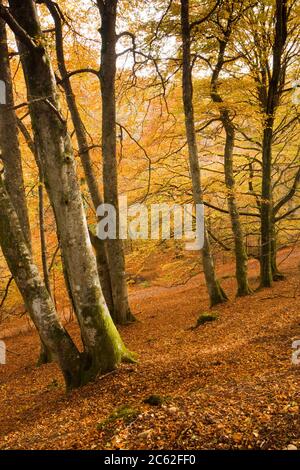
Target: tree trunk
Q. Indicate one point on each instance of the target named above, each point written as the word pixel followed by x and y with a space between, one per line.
pixel 240 249
pixel 11 154
pixel 45 356
pixel 83 147
pixel 36 297
pixel 266 208
pixel 275 89
pixel 241 258
pixel 115 248
pixel 103 346
pixel 9 144
pixel 43 237
pixel 216 293
pixel 276 274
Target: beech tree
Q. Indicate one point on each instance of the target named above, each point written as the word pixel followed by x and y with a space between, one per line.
pixel 223 37
pixel 269 53
pixel 11 153
pixel 36 297
pixel 103 347
pixel 216 293
pixel 109 38
pixel 9 142
pixel 84 153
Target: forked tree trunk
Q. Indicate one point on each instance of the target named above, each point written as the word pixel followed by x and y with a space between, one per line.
pixel 103 346
pixel 216 293
pixel 36 297
pixel 241 259
pixel 83 147
pixel 115 248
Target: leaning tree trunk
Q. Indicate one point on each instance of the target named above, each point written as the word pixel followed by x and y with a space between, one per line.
pixel 216 293
pixel 44 355
pixel 83 147
pixel 108 12
pixel 9 142
pixel 103 346
pixel 241 259
pixel 36 297
pixel 11 154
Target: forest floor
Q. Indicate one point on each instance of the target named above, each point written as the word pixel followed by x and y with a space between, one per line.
pixel 225 385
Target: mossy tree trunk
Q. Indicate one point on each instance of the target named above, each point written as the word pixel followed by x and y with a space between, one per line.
pixel 36 297
pixel 216 293
pixel 84 153
pixel 103 347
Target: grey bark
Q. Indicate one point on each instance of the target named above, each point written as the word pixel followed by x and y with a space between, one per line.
pixel 216 293
pixel 36 297
pixel 83 146
pixel 115 249
pixel 103 347
pixel 239 245
pixel 10 149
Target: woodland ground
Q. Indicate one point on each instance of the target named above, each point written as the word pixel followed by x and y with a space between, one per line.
pixel 227 384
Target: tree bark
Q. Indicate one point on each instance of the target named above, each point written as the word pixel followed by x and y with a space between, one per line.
pixel 11 154
pixel 103 347
pixel 83 147
pixel 36 297
pixel 239 246
pixel 216 293
pixel 10 149
pixel 272 101
pixel 108 13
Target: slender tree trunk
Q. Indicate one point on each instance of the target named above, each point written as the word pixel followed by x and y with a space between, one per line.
pixel 11 154
pixel 108 12
pixel 35 152
pixel 276 274
pixel 240 249
pixel 9 142
pixel 35 295
pixel 266 208
pixel 98 245
pixel 216 293
pixel 103 346
pixel 45 356
pixel 275 89
pixel 241 258
pixel 43 237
